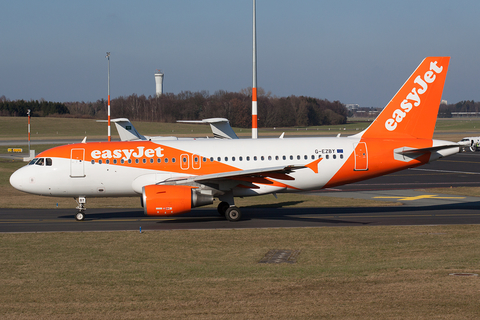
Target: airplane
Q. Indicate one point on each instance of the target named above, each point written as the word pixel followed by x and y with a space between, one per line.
pixel 221 129
pixel 472 142
pixel 173 176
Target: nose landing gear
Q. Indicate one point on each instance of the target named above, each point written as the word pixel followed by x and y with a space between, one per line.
pixel 80 216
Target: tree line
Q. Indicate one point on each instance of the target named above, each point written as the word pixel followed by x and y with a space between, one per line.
pixel 19 108
pixel 449 110
pixel 187 105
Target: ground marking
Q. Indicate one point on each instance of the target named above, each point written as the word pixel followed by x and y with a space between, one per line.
pixel 422 196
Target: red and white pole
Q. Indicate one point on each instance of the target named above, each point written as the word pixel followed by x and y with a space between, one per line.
pixel 254 85
pixel 28 113
pixel 108 111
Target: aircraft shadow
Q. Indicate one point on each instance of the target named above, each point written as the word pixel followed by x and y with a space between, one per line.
pixel 282 211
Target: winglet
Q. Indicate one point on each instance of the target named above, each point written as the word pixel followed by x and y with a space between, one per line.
pixel 314 165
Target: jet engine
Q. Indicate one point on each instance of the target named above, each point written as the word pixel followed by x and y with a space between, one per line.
pixel 473 146
pixel 167 200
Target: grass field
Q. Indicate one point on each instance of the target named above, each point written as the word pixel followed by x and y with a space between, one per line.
pixel 14 128
pixel 341 273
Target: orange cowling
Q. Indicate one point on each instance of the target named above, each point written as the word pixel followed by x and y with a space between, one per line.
pixel 166 200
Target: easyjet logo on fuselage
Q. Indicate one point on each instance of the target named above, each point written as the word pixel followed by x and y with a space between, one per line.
pixel 125 154
pixel 414 96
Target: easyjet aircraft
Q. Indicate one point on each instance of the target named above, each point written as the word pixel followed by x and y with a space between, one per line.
pixel 174 176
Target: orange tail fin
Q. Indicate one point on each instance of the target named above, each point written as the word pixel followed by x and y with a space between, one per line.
pixel 413 110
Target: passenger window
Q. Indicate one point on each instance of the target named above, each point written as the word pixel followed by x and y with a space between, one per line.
pixel 298 157
pixel 240 158
pixel 211 159
pixel 276 158
pixel 173 160
pixel 136 160
pixel 269 157
pixel 159 160
pixel 151 160
pixel 254 158
pixel 341 156
pixel 291 157
pixel 129 160
pixel 262 157
pixel 99 161
pixel 93 161
pixel 284 157
pixel 305 157
pixel 326 157
pixel 313 157
pixel 226 158
pixel 334 156
pixel 107 161
pixel 49 161
pixel 114 161
pixel 166 160
pixel 248 158
pixel 233 158
pixel 144 160
pixel 204 159
pixel 122 161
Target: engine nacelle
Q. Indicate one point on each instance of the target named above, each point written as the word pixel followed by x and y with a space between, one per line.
pixel 168 200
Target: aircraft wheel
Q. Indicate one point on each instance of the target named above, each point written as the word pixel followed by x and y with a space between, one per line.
pixel 222 208
pixel 233 214
pixel 80 216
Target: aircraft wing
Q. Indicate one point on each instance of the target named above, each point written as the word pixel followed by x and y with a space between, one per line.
pixel 279 172
pixel 251 175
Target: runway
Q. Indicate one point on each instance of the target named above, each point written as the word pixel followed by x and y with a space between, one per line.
pixel 409 187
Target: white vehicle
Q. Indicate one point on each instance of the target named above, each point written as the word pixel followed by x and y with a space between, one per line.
pixel 472 142
pixel 174 176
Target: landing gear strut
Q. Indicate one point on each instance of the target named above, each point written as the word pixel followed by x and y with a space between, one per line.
pixel 80 216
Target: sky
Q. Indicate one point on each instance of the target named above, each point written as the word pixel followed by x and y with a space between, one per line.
pixel 352 51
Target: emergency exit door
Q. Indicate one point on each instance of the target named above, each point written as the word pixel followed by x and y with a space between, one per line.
pixel 77 163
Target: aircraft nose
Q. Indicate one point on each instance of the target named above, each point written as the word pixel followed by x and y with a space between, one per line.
pixel 17 180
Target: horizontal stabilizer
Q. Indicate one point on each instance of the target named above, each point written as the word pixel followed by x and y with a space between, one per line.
pixel 425 150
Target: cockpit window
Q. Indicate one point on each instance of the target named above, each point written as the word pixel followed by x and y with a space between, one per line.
pixel 41 161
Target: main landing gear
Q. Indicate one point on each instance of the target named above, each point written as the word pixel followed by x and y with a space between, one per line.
pixel 80 216
pixel 231 213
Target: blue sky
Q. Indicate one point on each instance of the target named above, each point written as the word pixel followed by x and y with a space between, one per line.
pixel 352 51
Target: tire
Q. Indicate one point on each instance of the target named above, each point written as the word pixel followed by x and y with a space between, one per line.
pixel 80 216
pixel 222 208
pixel 233 214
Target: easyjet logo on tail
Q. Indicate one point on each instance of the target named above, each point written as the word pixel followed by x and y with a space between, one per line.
pixel 414 96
